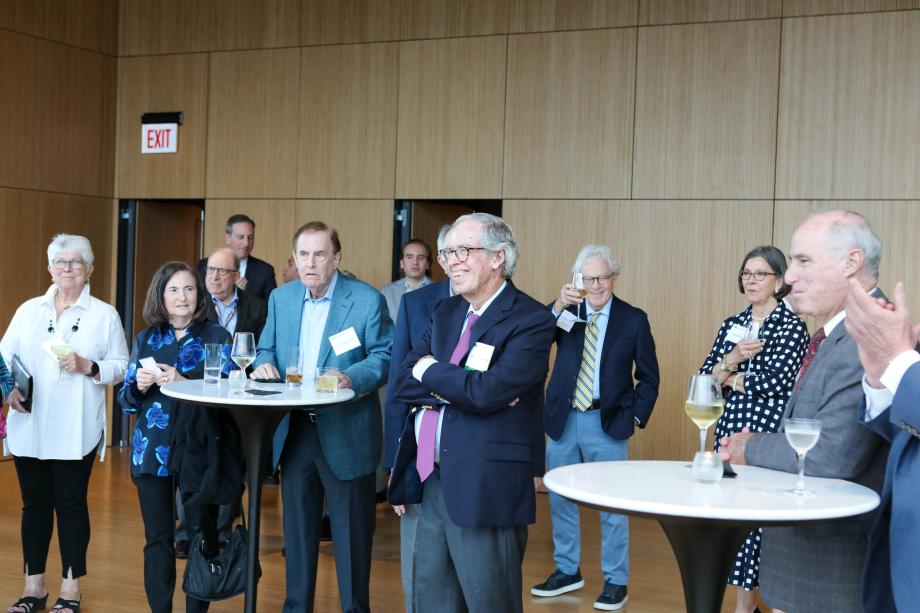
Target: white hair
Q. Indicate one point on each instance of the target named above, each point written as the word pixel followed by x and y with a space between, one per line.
pixel 596 251
pixel 848 230
pixel 494 235
pixel 70 242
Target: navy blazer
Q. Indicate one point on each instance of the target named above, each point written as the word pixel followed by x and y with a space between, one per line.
pixel 260 276
pixel 628 371
pixel 415 311
pixel 489 451
pixel 891 576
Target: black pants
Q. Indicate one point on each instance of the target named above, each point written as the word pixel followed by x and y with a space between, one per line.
pixel 157 499
pixel 304 476
pixel 49 488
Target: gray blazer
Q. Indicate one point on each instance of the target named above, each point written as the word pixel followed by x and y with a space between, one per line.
pixel 817 567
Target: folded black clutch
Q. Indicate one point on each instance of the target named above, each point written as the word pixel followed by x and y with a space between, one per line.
pixel 23 380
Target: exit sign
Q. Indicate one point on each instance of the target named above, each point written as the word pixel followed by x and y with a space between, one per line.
pixel 159 137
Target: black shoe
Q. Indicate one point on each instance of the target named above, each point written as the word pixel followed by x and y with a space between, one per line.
pixel 612 598
pixel 182 549
pixel 381 496
pixel 558 583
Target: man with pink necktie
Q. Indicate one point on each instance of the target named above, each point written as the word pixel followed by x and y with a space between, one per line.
pixel 473 442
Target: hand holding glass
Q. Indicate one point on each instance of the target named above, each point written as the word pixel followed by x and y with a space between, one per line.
pixel 704 403
pixel 802 435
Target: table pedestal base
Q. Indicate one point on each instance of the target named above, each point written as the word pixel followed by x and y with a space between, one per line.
pixel 256 425
pixel 705 554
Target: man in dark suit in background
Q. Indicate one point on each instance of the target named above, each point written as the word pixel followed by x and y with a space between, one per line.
pixel 235 309
pixel 817 567
pixel 604 384
pixel 256 277
pixel 886 340
pixel 473 444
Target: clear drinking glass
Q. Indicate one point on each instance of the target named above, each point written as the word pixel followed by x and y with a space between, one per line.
pixel 244 351
pixel 802 435
pixel 213 358
pixel 707 467
pixel 292 372
pixel 578 281
pixel 327 380
pixel 704 403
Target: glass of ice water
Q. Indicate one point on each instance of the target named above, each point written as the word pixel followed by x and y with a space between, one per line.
pixel 212 363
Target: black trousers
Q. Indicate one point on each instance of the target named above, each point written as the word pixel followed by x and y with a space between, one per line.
pixel 49 488
pixel 304 476
pixel 157 499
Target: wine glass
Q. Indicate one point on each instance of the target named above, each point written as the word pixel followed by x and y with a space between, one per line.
pixel 244 351
pixel 704 403
pixel 802 435
pixel 578 280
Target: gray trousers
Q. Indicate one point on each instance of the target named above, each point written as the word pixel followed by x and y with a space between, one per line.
pixel 455 569
pixel 408 524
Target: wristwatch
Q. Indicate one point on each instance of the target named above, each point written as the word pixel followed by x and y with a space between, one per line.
pixel 94 370
pixel 724 365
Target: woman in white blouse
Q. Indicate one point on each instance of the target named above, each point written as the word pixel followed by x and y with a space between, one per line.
pixel 74 346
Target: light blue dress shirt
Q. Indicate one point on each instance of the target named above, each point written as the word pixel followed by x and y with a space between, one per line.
pixel 226 313
pixel 312 325
pixel 602 322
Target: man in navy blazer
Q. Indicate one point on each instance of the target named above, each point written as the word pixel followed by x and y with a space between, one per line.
pixel 604 384
pixel 333 449
pixel 472 444
pixel 891 408
pixel 255 276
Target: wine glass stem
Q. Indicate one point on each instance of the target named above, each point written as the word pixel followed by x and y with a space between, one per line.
pixel 800 484
pixel 703 439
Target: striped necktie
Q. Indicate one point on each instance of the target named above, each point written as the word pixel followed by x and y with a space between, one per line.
pixel 584 385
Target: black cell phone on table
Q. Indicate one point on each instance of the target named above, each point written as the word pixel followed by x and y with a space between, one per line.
pixel 269 380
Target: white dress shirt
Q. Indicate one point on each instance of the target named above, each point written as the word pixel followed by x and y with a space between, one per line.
pixel 877 400
pixel 68 409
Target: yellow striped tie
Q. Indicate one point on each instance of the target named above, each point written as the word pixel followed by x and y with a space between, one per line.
pixel 584 385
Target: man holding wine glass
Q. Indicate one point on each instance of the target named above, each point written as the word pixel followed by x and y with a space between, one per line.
pixel 817 568
pixel 604 384
pixel 342 323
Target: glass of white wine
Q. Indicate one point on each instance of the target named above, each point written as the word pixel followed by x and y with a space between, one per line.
pixel 704 403
pixel 578 280
pixel 243 352
pixel 802 435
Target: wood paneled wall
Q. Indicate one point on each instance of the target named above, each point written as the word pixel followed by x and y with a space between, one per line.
pixel 680 132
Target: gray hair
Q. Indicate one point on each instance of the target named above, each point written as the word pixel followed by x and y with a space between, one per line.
pixel 494 235
pixel 442 236
pixel 70 242
pixel 236 260
pixel 596 251
pixel 848 230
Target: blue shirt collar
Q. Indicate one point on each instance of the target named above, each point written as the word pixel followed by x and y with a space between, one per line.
pixel 308 297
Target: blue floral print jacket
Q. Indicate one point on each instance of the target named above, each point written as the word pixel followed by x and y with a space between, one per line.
pixel 158 415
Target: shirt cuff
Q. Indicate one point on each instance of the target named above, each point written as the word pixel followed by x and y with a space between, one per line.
pixel 418 371
pixel 877 400
pixel 892 376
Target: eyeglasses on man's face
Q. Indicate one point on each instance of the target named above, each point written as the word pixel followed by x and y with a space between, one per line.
pixel 601 280
pixel 462 253
pixel 214 271
pixel 61 263
pixel 758 275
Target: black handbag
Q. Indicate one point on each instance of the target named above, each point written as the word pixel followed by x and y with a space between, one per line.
pixel 222 576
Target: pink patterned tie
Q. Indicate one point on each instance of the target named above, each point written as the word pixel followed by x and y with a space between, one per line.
pixel 424 459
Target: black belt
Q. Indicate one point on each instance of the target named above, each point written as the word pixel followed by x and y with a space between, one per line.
pixel 595 406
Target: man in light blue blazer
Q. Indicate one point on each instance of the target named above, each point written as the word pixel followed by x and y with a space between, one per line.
pixel 887 341
pixel 332 449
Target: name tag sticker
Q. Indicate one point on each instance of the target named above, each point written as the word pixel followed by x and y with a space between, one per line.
pixel 735 333
pixel 480 356
pixel 566 320
pixel 346 340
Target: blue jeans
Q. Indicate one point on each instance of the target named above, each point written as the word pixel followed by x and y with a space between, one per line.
pixel 584 440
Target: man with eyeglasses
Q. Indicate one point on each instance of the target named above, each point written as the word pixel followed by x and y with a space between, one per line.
pixel 472 444
pixel 336 322
pixel 604 385
pixel 255 276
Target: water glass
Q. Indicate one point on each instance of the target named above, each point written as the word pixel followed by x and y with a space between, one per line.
pixel 213 360
pixel 236 379
pixel 707 467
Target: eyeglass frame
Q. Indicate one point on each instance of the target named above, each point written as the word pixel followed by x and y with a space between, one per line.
pixel 601 280
pixel 445 254
pixel 221 273
pixel 61 263
pixel 759 275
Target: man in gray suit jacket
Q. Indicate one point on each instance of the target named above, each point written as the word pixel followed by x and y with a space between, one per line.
pixel 332 449
pixel 817 567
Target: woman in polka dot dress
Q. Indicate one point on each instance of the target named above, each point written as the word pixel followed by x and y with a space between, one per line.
pixel 756 355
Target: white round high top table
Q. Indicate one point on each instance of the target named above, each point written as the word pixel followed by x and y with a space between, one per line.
pixel 256 416
pixel 706 524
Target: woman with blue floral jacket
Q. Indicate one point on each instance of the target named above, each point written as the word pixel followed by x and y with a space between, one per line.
pixel 176 310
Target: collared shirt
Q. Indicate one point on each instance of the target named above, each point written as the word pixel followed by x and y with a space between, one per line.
pixel 602 322
pixel 226 313
pixel 418 371
pixel 877 400
pixel 312 324
pixel 243 266
pixel 393 293
pixel 68 409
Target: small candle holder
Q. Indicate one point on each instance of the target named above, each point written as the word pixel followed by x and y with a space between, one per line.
pixel 707 467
